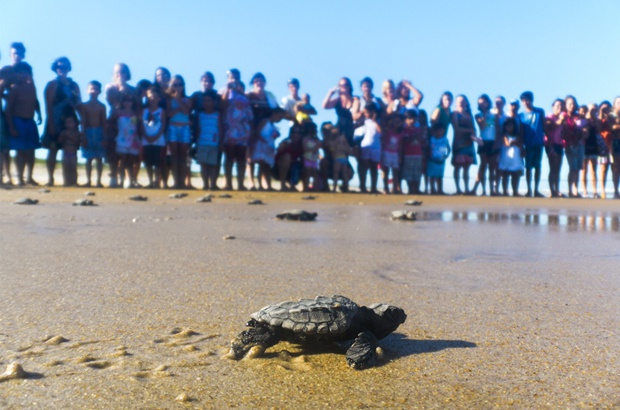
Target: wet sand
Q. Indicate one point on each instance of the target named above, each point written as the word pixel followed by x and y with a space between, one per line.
pixel 510 302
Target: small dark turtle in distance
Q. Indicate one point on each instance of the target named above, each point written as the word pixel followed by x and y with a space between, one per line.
pixel 413 203
pixel 206 198
pixel 256 202
pixel 297 215
pixel 321 320
pixel 225 196
pixel 44 191
pixel 178 195
pixel 138 198
pixel 26 201
pixel 404 216
pixel 308 198
pixel 84 202
pixel 89 193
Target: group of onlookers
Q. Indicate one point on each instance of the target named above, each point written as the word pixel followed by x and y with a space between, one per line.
pixel 157 124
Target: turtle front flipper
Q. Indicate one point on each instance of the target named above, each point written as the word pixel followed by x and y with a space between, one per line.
pixel 254 341
pixel 362 353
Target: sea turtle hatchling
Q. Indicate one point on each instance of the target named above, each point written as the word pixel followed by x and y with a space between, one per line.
pixel 138 198
pixel 84 202
pixel 413 202
pixel 178 195
pixel 26 201
pixel 206 198
pixel 321 320
pixel 297 215
pixel 256 202
pixel 404 216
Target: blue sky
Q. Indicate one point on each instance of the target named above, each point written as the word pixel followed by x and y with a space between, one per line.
pixel 468 47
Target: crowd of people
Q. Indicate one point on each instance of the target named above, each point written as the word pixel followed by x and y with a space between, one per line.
pixel 157 126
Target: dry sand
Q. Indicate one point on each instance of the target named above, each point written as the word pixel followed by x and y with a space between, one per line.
pixel 510 303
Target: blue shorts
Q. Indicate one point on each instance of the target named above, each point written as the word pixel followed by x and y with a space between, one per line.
pixel 533 156
pixel 94 144
pixel 28 135
pixel 179 133
pixel 574 156
pixel 372 154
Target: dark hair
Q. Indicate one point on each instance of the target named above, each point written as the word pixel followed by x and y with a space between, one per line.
pixel 234 72
pixel 214 96
pixel 257 76
pixel 309 128
pixel 527 95
pixel 438 127
pixel 124 67
pixel 95 83
pixel 163 70
pixel 349 84
pixel 371 108
pixel 294 81
pixel 412 114
pixel 575 101
pixel 61 61
pixel 143 85
pixel 22 68
pixel 367 80
pixel 605 102
pixel 208 75
pixel 510 121
pixel 486 98
pixel 19 47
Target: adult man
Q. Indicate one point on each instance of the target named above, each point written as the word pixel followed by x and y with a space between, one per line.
pixel 531 121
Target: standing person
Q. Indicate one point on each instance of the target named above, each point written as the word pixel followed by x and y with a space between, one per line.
pixel 439 151
pixel 404 101
pixel 114 93
pixel 263 104
pixel 367 97
pixel 154 121
pixel 128 140
pixel 290 101
pixel 237 131
pixel 21 107
pixel 311 145
pixel 414 145
pixel 388 93
pixel 487 150
pixel 593 128
pixel 179 132
pixel 264 151
pixel 341 99
pixel 605 160
pixel 69 139
pixel 511 161
pixel 391 153
pixel 442 114
pixel 531 121
pixel 463 152
pixel 614 131
pixel 554 131
pixel 62 97
pixel 288 159
pixel 208 141
pixel 93 116
pixel 233 76
pixel 162 83
pixel 575 150
pixel 370 155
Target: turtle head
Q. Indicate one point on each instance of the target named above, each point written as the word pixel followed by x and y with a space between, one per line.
pixel 386 319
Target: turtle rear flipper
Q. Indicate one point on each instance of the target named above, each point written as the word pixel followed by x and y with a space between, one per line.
pixel 362 353
pixel 254 341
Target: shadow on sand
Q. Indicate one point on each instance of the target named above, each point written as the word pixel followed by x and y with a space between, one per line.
pixel 398 345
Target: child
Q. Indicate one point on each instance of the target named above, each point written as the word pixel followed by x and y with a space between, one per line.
pixel 339 150
pixel 423 124
pixel 265 149
pixel 153 142
pixel 303 110
pixel 391 152
pixel 128 138
pixel 414 141
pixel 439 150
pixel 310 144
pixel 238 121
pixel 22 105
pixel 208 141
pixel 93 115
pixel 69 138
pixel 370 133
pixel 511 160
pixel 179 133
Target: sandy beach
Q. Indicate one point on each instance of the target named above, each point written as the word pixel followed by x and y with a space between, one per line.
pixel 510 302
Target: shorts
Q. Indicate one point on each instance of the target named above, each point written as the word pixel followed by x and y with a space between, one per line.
pixel 94 144
pixel 604 160
pixel 371 154
pixel 342 161
pixel 390 160
pixel 153 155
pixel 533 156
pixel 412 168
pixel 179 133
pixel 311 164
pixel 464 156
pixel 235 152
pixel 208 155
pixel 28 135
pixel 488 149
pixel 574 156
pixel 556 149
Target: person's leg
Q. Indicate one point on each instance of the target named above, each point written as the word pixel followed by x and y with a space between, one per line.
pixel 466 178
pixel 374 176
pixel 584 177
pixel 337 166
pixel 20 164
pixel 506 176
pixel 456 173
pixel 241 162
pixel 594 164
pixel 604 171
pixel 362 167
pixel 396 185
pixel 228 166
pixel 50 163
pixel 386 177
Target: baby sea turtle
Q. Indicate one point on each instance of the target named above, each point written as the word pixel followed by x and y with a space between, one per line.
pixel 178 195
pixel 297 215
pixel 206 198
pixel 308 198
pixel 89 193
pixel 26 201
pixel 84 202
pixel 256 202
pixel 321 320
pixel 44 191
pixel 138 198
pixel 413 203
pixel 225 196
pixel 403 216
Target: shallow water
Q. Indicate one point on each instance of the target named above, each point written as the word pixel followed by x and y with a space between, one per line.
pixel 511 308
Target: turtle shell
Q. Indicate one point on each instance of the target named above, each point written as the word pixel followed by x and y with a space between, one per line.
pixel 322 315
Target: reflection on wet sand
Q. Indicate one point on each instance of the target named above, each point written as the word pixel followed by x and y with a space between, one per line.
pixel 554 222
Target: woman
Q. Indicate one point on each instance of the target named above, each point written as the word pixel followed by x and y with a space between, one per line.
pixel 574 137
pixel 605 160
pixel 62 96
pixel 341 99
pixel 367 97
pixel 614 130
pixel 263 103
pixel 404 101
pixel 442 114
pixel 162 82
pixel 554 131
pixel 463 153
pixel 592 130
pixel 487 150
pixel 179 132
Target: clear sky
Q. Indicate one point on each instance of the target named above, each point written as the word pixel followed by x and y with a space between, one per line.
pixel 468 47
